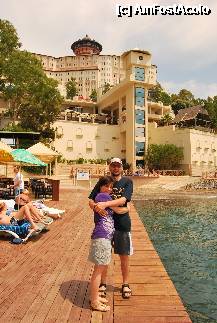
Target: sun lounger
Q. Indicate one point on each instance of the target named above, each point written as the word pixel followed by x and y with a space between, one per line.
pixel 21 233
pixel 16 231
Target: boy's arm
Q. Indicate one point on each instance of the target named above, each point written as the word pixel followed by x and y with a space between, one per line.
pixel 94 206
pixel 118 202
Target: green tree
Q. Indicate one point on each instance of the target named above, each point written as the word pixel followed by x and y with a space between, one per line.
pixel 211 107
pixel 9 40
pixel 71 89
pixel 106 88
pixel 165 156
pixel 157 94
pixel 41 111
pixel 22 71
pixel 166 119
pixel 184 99
pixel 33 98
pixel 93 95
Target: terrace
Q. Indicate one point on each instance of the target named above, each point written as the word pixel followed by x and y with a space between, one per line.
pixel 101 118
pixel 47 279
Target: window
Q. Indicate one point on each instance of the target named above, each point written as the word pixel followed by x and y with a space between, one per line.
pixel 79 132
pixel 106 146
pixel 89 145
pixel 139 74
pixel 139 96
pixel 140 102
pixel 140 117
pixel 140 132
pixel 69 144
pixel 140 149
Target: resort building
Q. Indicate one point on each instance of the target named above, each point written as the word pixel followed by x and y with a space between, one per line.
pixel 120 126
pixel 90 70
pixel 199 146
pixel 123 121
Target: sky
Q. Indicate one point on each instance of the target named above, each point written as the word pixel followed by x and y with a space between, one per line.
pixel 184 48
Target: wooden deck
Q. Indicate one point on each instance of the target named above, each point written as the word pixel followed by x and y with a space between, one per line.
pixel 47 279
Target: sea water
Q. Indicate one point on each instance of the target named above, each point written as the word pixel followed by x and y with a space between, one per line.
pixel 184 233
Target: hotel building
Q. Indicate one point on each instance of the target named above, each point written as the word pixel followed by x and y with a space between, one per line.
pixel 123 120
pixel 89 69
pixel 124 133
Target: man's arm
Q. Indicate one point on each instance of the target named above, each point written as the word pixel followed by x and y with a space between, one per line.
pixel 121 209
pixel 91 204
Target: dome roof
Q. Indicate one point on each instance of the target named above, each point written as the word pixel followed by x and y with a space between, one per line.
pixel 86 46
pixel 86 38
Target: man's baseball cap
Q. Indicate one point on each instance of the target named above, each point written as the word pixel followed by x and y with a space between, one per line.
pixel 116 160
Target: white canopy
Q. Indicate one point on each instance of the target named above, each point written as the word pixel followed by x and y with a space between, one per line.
pixel 5 147
pixel 44 153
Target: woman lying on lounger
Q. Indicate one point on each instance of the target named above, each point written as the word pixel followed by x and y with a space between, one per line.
pixel 15 217
pixel 23 200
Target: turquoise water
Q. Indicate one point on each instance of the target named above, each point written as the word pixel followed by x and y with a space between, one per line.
pixel 184 232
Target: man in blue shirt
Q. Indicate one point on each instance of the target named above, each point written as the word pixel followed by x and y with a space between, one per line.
pixel 121 194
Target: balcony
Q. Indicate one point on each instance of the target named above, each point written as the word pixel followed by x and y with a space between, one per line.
pixel 154 116
pixel 101 118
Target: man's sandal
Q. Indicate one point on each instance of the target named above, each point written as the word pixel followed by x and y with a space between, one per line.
pixel 102 290
pixel 126 293
pixel 101 307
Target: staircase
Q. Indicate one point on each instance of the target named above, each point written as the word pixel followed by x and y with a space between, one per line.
pixel 63 173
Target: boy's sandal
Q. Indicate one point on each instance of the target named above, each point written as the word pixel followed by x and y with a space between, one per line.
pixel 102 300
pixel 126 293
pixel 102 290
pixel 100 307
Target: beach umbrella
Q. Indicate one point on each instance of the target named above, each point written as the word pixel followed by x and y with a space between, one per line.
pixel 45 154
pixel 24 157
pixel 5 157
pixel 20 157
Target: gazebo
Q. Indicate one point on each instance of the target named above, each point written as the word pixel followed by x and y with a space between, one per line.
pixel 45 154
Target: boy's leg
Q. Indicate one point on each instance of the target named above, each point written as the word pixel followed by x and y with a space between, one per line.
pixel 104 275
pixel 95 282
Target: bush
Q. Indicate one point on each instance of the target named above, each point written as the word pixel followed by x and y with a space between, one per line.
pixel 167 156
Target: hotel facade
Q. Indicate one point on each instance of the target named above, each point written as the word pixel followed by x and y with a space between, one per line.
pixel 122 123
pixel 124 133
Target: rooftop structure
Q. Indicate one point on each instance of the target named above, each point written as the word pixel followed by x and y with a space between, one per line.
pixel 86 46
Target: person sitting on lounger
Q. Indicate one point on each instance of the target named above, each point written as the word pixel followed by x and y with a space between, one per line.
pixel 24 200
pixel 15 217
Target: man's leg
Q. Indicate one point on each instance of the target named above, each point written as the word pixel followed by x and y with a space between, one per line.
pixel 125 275
pixel 124 267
